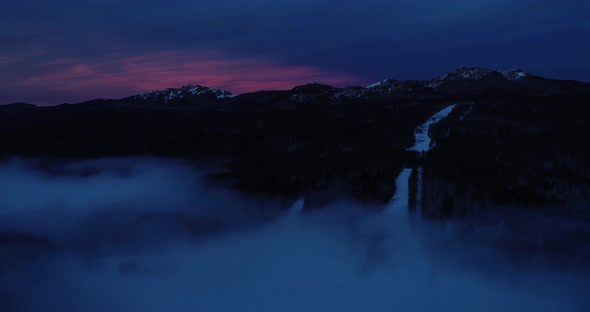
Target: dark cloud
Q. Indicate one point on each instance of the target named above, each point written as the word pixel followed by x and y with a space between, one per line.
pixel 370 40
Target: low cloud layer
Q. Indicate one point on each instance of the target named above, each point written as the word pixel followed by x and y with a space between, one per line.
pixel 150 235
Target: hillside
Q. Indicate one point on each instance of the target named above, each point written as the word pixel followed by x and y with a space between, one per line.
pixel 514 138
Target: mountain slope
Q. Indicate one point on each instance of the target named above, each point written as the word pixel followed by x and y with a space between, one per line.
pixel 512 138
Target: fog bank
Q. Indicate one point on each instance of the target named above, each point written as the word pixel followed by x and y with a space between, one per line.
pixel 145 234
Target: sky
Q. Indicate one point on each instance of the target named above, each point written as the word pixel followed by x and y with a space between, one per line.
pixel 62 51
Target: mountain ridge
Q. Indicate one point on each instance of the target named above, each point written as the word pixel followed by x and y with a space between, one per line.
pixel 463 80
pixel 512 138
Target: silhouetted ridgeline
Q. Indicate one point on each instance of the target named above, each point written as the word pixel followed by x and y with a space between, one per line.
pixel 510 140
pixel 512 151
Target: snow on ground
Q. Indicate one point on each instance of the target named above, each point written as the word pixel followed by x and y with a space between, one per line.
pixel 399 202
pixel 297 207
pixel 419 189
pixel 376 84
pixel 185 91
pixel 514 74
pixel 421 134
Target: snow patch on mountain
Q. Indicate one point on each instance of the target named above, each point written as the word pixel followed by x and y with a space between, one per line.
pixel 376 84
pixel 435 83
pixel 421 134
pixel 174 94
pixel 464 73
pixel 184 92
pixel 514 74
pixel 471 73
pixel 350 92
pixel 398 204
pixel 395 87
pixel 150 95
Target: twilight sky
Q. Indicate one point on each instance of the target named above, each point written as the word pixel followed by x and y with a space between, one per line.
pixel 55 51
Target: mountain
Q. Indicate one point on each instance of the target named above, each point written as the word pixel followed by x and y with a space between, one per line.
pixel 188 94
pixel 513 137
pixel 185 92
pixel 17 107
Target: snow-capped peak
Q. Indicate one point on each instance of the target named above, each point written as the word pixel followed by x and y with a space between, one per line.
pixel 183 92
pixel 464 72
pixel 376 84
pixel 470 73
pixel 514 74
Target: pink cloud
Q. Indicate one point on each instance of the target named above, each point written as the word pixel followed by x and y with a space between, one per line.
pixel 9 59
pixel 22 55
pixel 120 76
